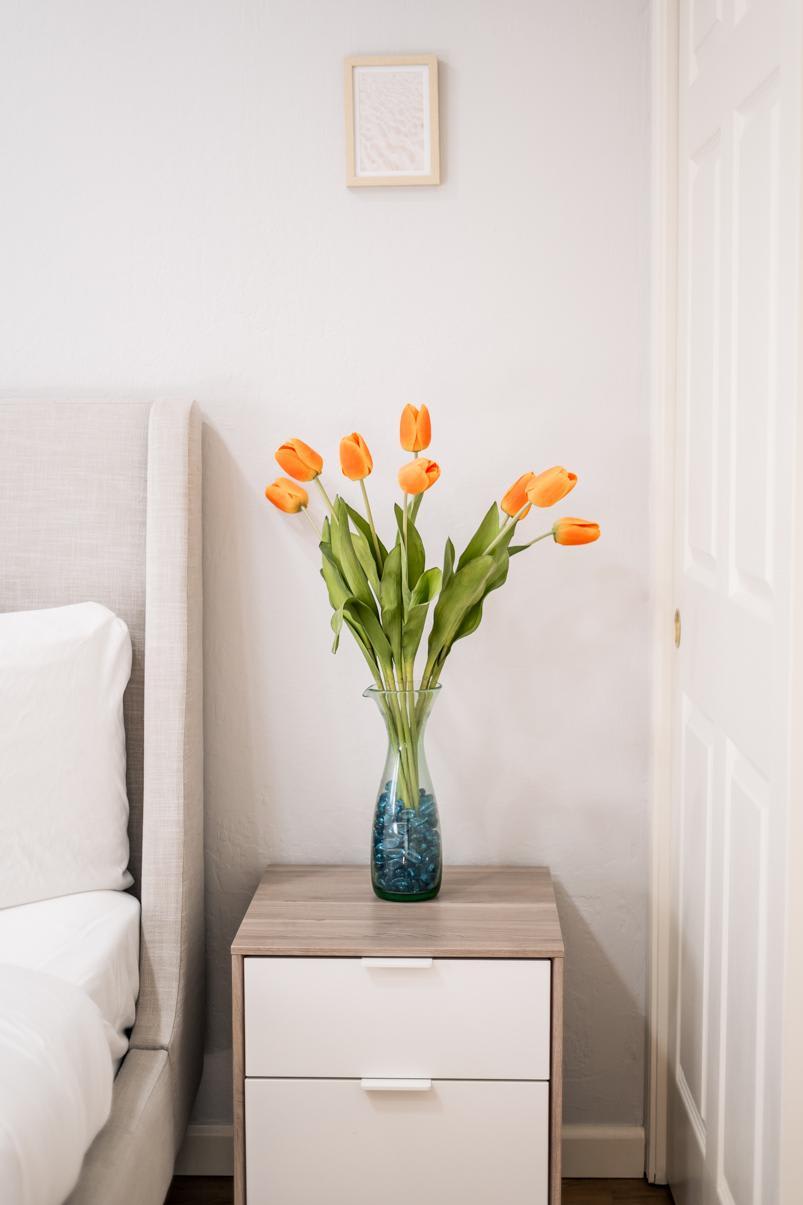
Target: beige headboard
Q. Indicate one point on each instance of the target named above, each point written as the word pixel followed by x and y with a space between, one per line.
pixel 102 501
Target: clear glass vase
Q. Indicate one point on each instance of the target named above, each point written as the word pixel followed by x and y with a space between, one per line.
pixel 406 860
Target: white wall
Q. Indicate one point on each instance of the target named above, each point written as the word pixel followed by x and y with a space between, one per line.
pixel 173 222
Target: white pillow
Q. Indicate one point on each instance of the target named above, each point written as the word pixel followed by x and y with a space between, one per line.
pixel 63 801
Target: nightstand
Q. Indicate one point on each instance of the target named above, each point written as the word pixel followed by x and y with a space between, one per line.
pixel 398 1054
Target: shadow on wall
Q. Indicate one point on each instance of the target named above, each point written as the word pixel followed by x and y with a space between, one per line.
pixel 592 982
pixel 235 730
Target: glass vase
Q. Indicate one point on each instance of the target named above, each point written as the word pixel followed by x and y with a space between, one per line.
pixel 406 861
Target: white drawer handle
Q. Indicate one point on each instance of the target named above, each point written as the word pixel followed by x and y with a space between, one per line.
pixel 395 1085
pixel 402 964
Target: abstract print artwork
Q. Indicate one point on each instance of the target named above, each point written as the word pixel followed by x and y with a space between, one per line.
pixel 392 120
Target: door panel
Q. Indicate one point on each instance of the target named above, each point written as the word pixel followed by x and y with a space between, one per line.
pixel 755 239
pixel 741 1087
pixel 703 301
pixel 738 347
pixel 693 971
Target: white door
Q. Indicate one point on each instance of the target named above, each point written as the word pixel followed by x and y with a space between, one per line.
pixel 738 334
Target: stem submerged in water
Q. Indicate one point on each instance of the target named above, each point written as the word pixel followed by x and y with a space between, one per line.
pixel 406 857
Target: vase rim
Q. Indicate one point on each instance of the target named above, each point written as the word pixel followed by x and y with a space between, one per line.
pixel 372 692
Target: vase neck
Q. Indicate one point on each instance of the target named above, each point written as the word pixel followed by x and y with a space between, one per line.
pixel 405 712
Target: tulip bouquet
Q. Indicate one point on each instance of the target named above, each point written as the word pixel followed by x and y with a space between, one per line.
pixel 385 596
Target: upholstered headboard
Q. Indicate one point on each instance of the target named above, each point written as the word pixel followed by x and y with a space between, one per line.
pixel 73 499
pixel 102 501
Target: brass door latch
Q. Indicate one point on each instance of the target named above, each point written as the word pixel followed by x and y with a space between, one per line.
pixel 677 629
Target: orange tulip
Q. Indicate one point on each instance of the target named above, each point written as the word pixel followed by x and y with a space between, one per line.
pixel 418 475
pixel 549 487
pixel 288 496
pixel 299 460
pixel 415 429
pixel 355 459
pixel 575 531
pixel 516 496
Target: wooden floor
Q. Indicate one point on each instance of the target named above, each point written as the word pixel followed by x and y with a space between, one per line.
pixel 217 1190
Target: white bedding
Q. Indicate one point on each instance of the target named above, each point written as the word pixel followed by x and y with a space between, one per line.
pixel 56 1080
pixel 91 940
pixel 69 978
pixel 63 800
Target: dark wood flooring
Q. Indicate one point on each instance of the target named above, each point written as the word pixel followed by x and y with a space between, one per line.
pixel 218 1190
pixel 612 1192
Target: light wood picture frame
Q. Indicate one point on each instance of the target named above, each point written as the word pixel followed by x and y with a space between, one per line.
pixel 392 134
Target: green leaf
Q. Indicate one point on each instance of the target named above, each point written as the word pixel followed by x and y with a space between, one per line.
pixel 471 621
pixel 464 591
pixel 427 587
pixel 365 617
pixel 501 555
pixel 473 618
pixel 413 631
pixel 367 559
pixel 363 644
pixel 330 572
pixel 337 626
pixel 390 601
pixel 346 557
pixel 500 576
pixel 362 524
pixel 448 563
pixel 416 557
pixel 485 533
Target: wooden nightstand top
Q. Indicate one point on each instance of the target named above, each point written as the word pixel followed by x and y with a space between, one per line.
pixel 331 912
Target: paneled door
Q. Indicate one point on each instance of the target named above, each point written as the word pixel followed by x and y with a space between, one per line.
pixel 738 336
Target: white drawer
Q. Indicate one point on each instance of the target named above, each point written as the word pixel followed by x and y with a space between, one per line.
pixel 333 1141
pixel 437 1019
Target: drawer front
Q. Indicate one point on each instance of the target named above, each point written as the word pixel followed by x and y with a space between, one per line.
pixel 403 1018
pixel 335 1141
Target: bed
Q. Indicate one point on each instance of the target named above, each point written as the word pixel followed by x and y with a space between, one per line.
pixel 101 501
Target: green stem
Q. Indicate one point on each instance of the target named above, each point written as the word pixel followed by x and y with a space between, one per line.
pixel 399 733
pixel 406 745
pixel 370 519
pixel 545 536
pixel 405 565
pixel 318 533
pixel 412 728
pixel 326 497
pixel 503 530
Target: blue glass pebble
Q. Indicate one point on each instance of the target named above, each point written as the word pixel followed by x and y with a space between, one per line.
pixel 406 854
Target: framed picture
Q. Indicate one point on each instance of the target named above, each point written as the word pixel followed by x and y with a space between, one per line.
pixel 392 120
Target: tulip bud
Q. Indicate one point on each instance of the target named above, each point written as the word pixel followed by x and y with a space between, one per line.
pixel 418 475
pixel 516 497
pixel 415 429
pixel 288 496
pixel 355 459
pixel 299 460
pixel 575 531
pixel 549 487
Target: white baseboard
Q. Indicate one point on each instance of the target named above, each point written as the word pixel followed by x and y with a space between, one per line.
pixel 589 1151
pixel 603 1152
